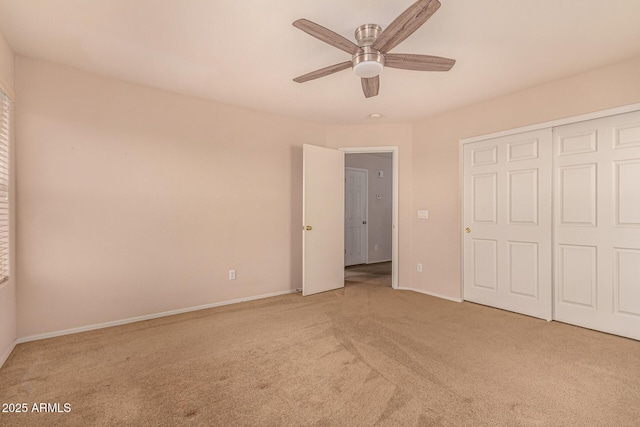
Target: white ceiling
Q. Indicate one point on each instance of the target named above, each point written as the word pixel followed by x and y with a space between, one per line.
pixel 246 53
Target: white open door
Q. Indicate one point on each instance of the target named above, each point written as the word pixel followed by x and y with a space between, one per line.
pixel 323 219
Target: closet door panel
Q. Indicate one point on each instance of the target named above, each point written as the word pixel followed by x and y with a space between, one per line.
pixel 597 224
pixel 507 215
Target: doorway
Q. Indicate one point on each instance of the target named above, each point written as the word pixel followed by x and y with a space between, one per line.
pixel 369 217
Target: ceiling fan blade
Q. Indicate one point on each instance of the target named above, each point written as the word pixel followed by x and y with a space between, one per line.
pixel 323 72
pixel 405 24
pixel 370 86
pixel 326 35
pixel 407 61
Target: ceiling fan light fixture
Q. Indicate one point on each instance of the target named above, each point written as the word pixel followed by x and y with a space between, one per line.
pixel 367 69
pixel 367 63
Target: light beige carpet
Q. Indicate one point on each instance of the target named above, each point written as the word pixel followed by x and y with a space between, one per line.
pixel 365 355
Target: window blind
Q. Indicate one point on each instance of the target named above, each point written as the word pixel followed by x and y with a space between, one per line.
pixel 4 185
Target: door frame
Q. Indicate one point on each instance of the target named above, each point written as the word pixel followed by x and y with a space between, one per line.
pixel 548 124
pixel 395 201
pixel 366 208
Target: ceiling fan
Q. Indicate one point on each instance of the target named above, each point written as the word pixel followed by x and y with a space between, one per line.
pixel 371 54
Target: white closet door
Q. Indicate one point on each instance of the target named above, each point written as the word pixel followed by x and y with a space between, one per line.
pixel 597 224
pixel 507 216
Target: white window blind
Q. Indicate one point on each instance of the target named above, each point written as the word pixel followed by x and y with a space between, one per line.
pixel 4 186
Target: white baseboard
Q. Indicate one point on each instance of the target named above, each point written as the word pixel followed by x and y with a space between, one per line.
pixel 7 353
pixel 142 318
pixel 433 294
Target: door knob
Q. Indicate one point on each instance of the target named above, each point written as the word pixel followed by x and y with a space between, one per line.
pixel 467 230
pixel 308 228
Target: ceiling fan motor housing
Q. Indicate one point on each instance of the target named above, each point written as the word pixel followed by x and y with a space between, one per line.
pixel 368 33
pixel 367 62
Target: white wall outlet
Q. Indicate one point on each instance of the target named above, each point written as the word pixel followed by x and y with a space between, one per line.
pixel 420 268
pixel 376 246
pixel 232 275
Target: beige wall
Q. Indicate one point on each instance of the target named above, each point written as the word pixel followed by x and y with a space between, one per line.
pixel 399 135
pixel 6 66
pixel 135 201
pixel 8 288
pixel 436 242
pixel 379 219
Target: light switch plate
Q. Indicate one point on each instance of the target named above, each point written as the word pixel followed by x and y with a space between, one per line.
pixel 423 214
